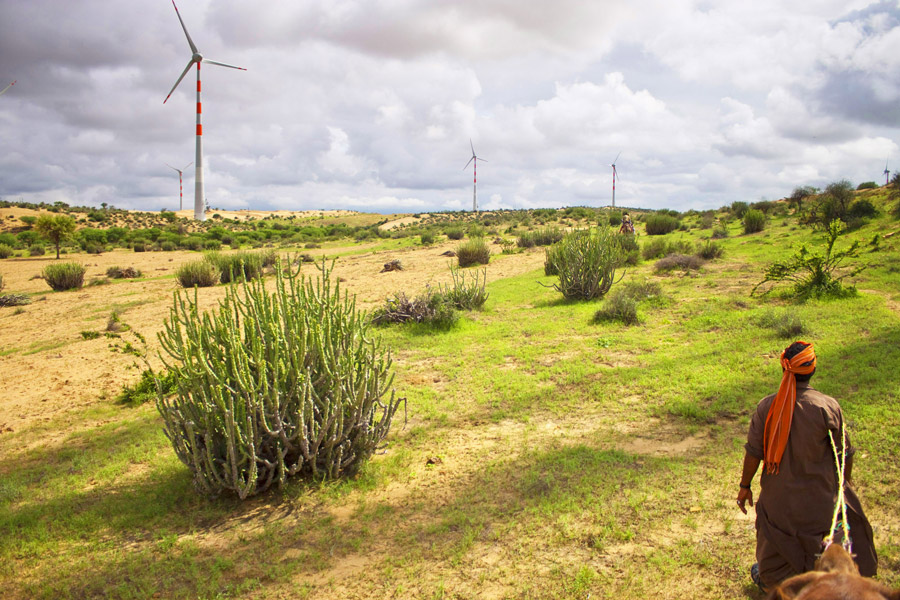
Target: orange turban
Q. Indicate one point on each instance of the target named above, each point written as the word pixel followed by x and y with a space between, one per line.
pixel 778 421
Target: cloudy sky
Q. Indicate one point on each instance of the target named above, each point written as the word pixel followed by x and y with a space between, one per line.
pixel 370 104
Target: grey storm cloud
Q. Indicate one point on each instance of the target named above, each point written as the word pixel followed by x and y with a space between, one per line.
pixel 371 105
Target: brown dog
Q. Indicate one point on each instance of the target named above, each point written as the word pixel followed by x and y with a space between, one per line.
pixel 836 578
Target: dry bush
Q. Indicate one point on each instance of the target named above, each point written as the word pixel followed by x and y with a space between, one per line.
pixel 684 262
pixel 120 273
pixel 198 273
pixel 64 276
pixel 473 252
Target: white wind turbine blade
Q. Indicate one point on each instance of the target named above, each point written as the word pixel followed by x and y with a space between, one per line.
pixel 186 34
pixel 468 163
pixel 14 83
pixel 617 158
pixel 187 165
pixel 183 73
pixel 472 146
pixel 171 167
pixel 221 64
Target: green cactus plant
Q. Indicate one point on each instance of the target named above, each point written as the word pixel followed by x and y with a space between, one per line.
pixel 274 384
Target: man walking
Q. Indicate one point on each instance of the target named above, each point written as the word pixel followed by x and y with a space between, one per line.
pixel 789 432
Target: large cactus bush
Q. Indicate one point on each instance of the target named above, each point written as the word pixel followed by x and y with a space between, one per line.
pixel 585 261
pixel 274 384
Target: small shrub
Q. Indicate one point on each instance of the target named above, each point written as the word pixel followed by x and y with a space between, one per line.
pixel 475 231
pixel 5 251
pixel 126 273
pixel 468 290
pixel 739 209
pixel 586 263
pixel 631 251
pixel 684 262
pixel 168 246
pixel 473 252
pixel 454 233
pixel 140 246
pixel 618 307
pixel 867 185
pixel 90 335
pixel 198 273
pixel 430 309
pixel 36 250
pixel 236 265
pixel 786 323
pixel 426 238
pixel 754 221
pixel 719 233
pixel 14 300
pixel 862 209
pixel 212 245
pixel 707 221
pixel 710 250
pixel 614 218
pixel 93 248
pixel 64 276
pixel 660 224
pixel 148 388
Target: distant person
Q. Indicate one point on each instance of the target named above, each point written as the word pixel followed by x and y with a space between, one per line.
pixel 627 225
pixel 789 433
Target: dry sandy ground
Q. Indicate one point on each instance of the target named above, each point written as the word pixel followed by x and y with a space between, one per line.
pixel 48 368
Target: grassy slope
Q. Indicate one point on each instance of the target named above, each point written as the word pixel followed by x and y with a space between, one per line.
pixel 567 458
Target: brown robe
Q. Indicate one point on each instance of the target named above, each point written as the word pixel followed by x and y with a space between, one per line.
pixel 795 505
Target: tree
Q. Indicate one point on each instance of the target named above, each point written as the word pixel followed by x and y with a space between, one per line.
pixel 55 228
pixel 800 194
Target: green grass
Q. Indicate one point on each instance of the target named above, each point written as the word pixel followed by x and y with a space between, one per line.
pixel 575 458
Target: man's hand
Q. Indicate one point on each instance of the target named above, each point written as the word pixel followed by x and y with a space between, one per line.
pixel 744 495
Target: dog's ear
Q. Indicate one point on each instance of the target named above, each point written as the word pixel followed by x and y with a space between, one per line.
pixel 791 588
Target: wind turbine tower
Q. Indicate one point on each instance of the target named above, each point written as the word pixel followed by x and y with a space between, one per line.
pixel 614 177
pixel 7 87
pixel 887 173
pixel 197 58
pixel 474 160
pixel 180 188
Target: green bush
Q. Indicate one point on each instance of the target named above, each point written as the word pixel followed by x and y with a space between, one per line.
pixel 631 251
pixel 473 252
pixel 36 250
pixel 197 273
pixel 867 185
pixel 544 236
pixel 710 250
pixel 64 276
pixel 5 251
pixel 618 307
pixel 236 266
pixel 785 324
pixel 468 289
pixel 739 209
pixel 454 233
pixel 754 221
pixel 614 218
pixel 148 388
pixel 862 209
pixel 585 262
pixel 426 238
pixel 168 246
pixel 274 385
pixel 720 232
pixel 814 274
pixel 660 224
pixel 660 247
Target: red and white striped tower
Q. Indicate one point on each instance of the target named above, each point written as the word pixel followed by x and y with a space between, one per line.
pixel 615 176
pixel 196 57
pixel 199 198
pixel 474 160
pixel 180 187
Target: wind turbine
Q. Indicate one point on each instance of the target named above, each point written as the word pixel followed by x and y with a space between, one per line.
pixel 7 87
pixel 615 176
pixel 887 173
pixel 180 190
pixel 197 58
pixel 474 177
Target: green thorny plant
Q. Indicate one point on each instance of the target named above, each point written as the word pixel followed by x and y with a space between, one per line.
pixel 813 273
pixel 274 384
pixel 586 263
pixel 468 290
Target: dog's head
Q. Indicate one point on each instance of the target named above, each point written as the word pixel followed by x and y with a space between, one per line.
pixel 835 559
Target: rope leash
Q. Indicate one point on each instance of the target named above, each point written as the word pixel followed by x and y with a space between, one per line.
pixel 840 507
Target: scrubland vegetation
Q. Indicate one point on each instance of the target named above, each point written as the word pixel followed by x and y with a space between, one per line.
pixel 550 445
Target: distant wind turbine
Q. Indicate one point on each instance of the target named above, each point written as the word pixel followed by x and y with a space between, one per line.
pixel 615 176
pixel 474 177
pixel 180 189
pixel 196 57
pixel 887 173
pixel 7 87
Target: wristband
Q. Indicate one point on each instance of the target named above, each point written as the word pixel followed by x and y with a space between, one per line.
pixel 744 487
